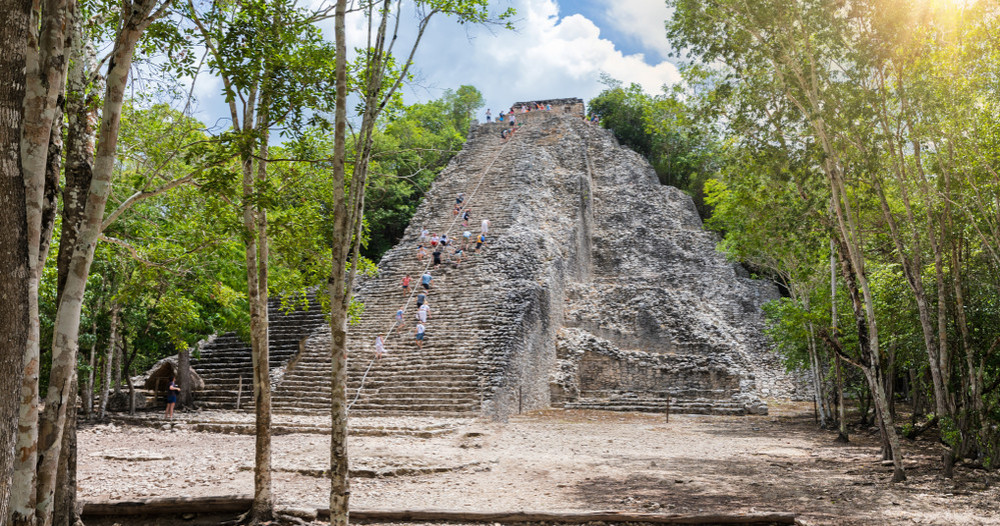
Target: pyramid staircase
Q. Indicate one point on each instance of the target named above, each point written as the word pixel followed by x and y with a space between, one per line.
pixel 444 377
pixel 226 363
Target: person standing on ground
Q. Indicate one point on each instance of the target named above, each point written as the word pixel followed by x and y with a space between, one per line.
pixel 485 226
pixel 465 217
pixel 421 298
pixel 480 241
pixel 488 115
pixel 172 391
pixel 418 331
pixel 466 239
pixel 379 347
pixel 425 280
pixel 406 284
pixel 425 235
pixel 457 256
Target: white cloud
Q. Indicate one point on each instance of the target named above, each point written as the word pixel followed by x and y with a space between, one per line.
pixel 546 57
pixel 644 20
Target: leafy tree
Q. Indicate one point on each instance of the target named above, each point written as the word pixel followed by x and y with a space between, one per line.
pixel 667 129
pixel 415 144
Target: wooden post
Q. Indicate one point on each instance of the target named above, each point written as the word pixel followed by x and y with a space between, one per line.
pixel 239 392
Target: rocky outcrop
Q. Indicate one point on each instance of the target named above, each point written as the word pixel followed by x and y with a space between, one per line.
pixel 663 314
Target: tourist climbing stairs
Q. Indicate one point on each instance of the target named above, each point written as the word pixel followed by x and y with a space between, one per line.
pixel 440 378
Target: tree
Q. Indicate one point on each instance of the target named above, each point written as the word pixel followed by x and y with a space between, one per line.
pixel 414 145
pixel 273 67
pixel 14 310
pixel 887 106
pixel 134 19
pixel 380 80
pixel 790 53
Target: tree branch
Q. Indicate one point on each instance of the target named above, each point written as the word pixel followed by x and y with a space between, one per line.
pixel 141 195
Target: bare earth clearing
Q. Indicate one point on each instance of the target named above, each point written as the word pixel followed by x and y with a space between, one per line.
pixel 553 461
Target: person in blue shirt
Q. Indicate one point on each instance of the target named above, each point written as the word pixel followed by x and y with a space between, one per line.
pixel 172 391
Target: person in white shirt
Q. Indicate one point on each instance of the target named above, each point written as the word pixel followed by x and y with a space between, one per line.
pixel 419 332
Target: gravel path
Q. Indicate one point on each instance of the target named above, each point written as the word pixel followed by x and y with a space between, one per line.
pixel 553 460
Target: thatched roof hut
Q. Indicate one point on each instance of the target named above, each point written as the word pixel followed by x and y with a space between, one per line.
pixel 157 378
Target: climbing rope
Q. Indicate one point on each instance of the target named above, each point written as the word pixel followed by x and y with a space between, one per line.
pixel 409 298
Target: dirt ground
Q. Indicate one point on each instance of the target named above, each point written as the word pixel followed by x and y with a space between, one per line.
pixel 551 461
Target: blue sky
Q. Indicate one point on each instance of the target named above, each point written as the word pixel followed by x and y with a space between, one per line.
pixel 558 49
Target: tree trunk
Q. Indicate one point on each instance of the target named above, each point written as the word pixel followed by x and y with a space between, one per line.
pixel 116 367
pixel 184 377
pixel 14 266
pixel 45 73
pixel 64 513
pixel 817 377
pixel 109 359
pixel 340 487
pixel 852 270
pixel 255 224
pixel 842 435
pixel 88 388
pixel 67 323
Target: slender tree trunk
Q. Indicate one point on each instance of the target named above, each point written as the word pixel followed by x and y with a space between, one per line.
pixel 817 377
pixel 340 488
pixel 842 435
pixel 109 359
pixel 184 377
pixel 255 223
pixel 14 265
pixel 852 270
pixel 67 323
pixel 88 395
pixel 913 271
pixel 64 513
pixel 116 367
pixel 44 81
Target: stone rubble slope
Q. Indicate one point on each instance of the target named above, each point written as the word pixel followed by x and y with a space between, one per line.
pixel 660 289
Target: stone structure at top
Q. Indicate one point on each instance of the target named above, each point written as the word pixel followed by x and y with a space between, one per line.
pixel 598 288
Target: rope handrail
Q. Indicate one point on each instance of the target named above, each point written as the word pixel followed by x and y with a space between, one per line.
pixel 409 298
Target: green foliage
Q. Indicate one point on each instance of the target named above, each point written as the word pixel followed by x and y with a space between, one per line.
pixel 666 129
pixel 886 109
pixel 413 147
